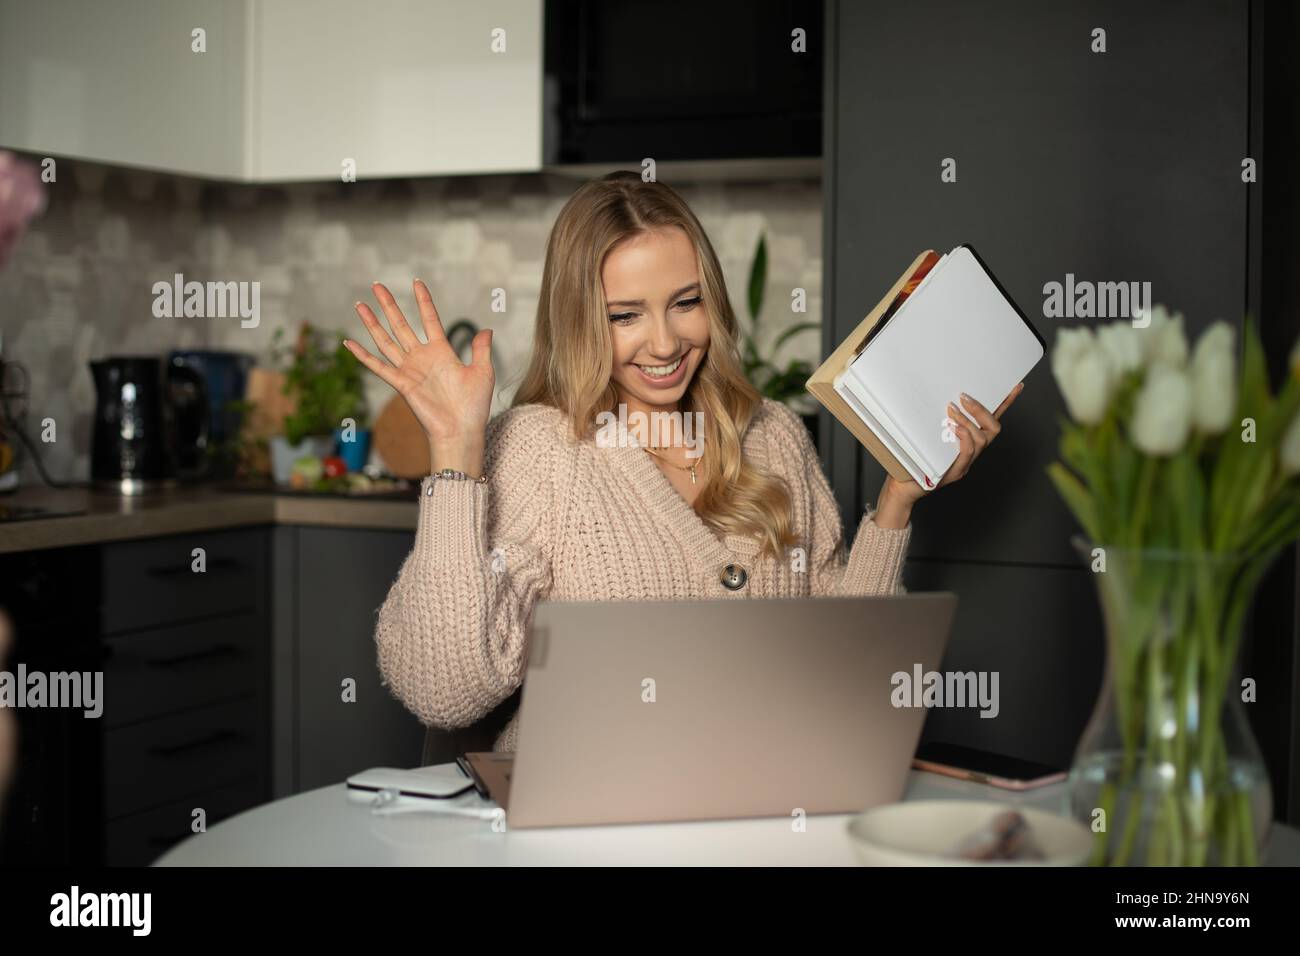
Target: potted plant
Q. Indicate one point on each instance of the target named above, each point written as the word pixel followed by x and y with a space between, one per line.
pixel 782 385
pixel 1184 472
pixel 327 385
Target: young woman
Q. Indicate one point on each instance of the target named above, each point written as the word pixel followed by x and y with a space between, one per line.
pixel 539 503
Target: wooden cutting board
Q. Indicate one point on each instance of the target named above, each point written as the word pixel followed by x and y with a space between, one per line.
pixel 265 389
pixel 400 440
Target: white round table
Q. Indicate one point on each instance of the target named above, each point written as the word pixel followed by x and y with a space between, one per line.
pixel 325 828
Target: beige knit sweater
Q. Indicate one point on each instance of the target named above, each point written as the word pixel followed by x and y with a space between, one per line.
pixel 564 520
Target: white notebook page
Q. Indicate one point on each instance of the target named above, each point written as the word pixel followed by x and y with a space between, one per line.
pixel 955 333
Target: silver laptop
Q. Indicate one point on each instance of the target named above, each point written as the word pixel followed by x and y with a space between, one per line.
pixel 637 712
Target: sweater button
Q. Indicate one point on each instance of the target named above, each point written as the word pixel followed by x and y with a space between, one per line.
pixel 734 577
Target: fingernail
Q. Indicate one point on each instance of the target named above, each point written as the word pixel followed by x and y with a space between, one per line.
pixel 966 398
pixel 1020 387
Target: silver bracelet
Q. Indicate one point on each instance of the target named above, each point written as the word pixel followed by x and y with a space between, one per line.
pixel 452 475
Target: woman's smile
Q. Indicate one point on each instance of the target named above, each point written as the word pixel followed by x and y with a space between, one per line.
pixel 665 375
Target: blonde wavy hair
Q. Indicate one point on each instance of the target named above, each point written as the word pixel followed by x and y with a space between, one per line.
pixel 572 357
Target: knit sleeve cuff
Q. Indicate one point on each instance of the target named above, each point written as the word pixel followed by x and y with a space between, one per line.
pixel 876 561
pixel 452 521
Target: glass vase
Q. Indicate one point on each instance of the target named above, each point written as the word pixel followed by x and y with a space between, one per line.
pixel 1167 772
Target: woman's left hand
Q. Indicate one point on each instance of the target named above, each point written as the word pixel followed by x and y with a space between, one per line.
pixel 975 427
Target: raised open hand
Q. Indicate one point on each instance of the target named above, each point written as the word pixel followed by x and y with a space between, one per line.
pixel 450 399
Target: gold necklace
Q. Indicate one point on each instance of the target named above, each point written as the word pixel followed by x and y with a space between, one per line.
pixel 690 468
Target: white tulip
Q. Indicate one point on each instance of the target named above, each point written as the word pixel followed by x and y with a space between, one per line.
pixel 1162 415
pixel 1163 339
pixel 1214 379
pixel 1123 347
pixel 1083 373
pixel 1289 451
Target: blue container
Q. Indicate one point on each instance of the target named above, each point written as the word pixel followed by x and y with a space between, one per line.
pixel 354 453
pixel 225 374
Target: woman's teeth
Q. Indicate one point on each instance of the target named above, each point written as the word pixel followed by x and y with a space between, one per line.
pixel 660 371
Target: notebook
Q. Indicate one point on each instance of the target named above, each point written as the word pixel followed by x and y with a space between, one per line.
pixel 945 327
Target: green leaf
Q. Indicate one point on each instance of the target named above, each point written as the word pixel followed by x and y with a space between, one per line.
pixel 1229 470
pixel 1276 523
pixel 1076 498
pixel 1254 369
pixel 1126 467
pixel 328 383
pixel 790 333
pixel 1186 499
pixel 787 384
pixel 1074 447
pixel 1139 525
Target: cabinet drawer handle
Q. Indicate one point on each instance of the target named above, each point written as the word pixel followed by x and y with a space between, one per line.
pixel 207 654
pixel 211 740
pixel 172 570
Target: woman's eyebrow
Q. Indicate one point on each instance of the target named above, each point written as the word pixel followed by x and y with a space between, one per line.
pixel 685 288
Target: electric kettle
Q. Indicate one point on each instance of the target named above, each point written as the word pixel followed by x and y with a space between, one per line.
pixel 148 417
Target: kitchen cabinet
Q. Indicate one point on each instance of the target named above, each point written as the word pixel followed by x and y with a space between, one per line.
pixel 743 82
pixel 1067 163
pixel 184 720
pixel 1058 150
pixel 329 584
pixel 52 814
pixel 284 90
pixel 1053 174
pixel 120 83
pixel 414 90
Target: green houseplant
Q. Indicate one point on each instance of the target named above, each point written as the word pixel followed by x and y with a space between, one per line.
pixel 326 380
pixel 775 382
pixel 1184 472
pixel 328 387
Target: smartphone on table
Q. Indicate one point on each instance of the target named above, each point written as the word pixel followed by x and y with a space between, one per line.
pixel 980 766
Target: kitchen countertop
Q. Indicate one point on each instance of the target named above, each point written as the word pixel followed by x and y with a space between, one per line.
pixel 110 517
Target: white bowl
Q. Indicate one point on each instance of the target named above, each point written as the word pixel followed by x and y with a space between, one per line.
pixel 921 832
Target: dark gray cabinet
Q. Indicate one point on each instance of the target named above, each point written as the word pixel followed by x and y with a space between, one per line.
pixel 329 584
pixel 184 659
pixel 51 814
pixel 186 670
pixel 1115 166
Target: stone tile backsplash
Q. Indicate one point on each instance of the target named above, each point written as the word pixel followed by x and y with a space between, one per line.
pixel 80 283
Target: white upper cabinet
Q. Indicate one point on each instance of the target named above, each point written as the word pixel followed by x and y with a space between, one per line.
pixel 286 89
pixel 119 82
pixel 403 87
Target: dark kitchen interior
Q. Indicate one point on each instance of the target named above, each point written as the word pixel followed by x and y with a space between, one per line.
pixel 223 689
